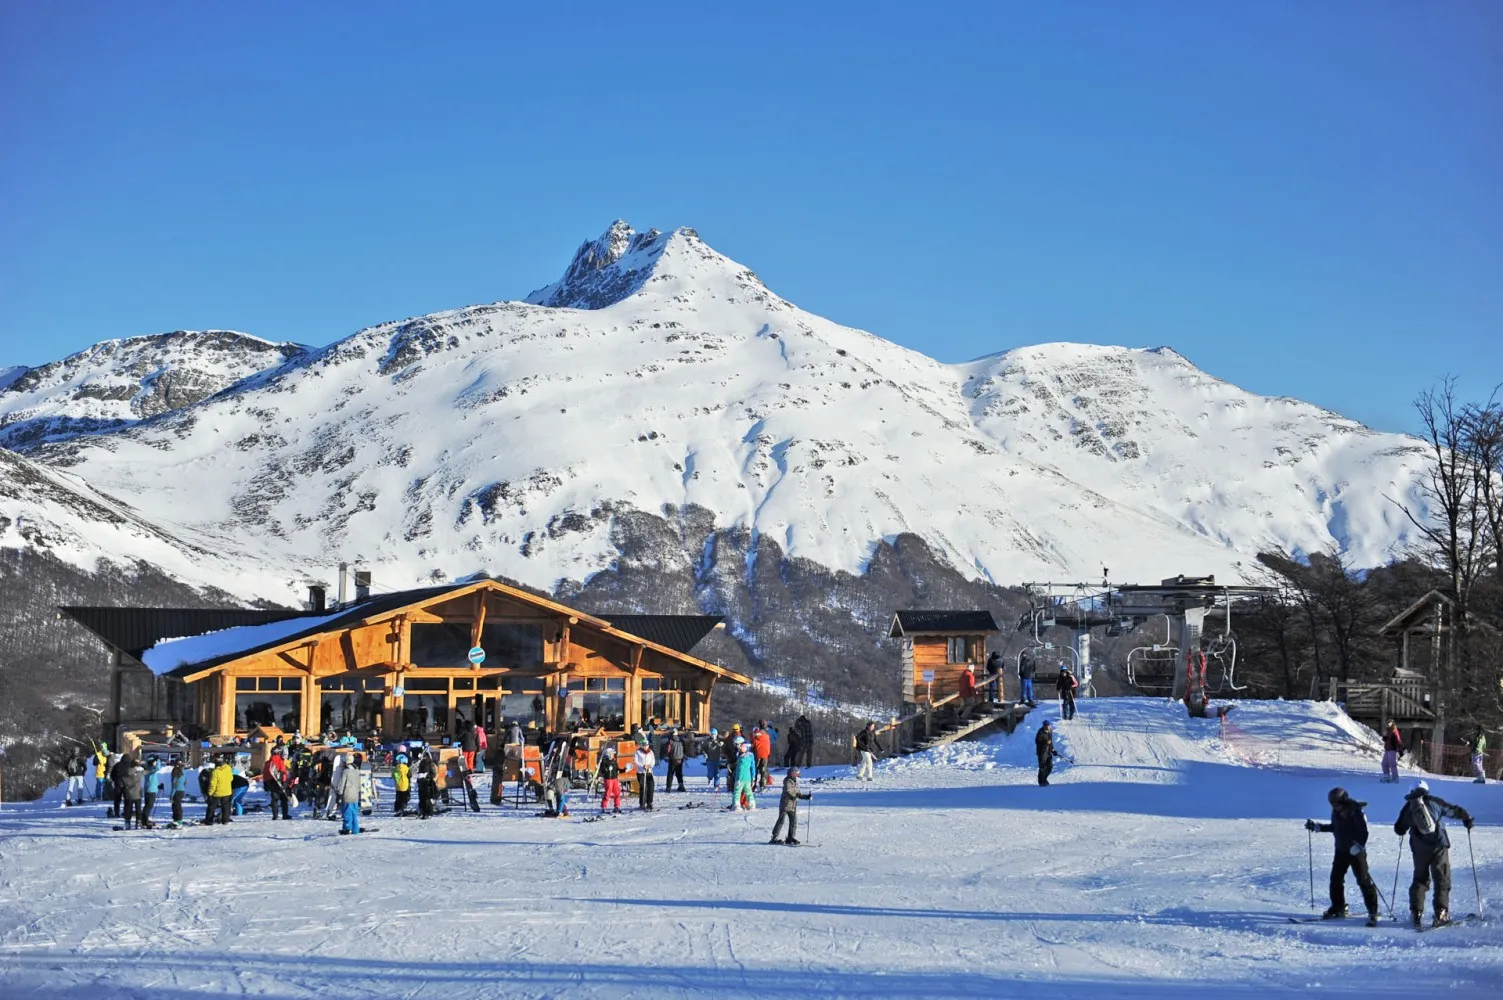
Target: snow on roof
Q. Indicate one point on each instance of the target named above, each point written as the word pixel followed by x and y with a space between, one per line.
pixel 169 654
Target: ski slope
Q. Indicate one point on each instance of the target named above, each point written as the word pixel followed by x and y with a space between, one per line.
pixel 1165 863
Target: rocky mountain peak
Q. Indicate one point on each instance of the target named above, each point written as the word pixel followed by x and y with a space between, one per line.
pixel 605 270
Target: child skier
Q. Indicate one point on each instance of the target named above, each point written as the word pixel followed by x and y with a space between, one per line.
pixel 742 796
pixel 1423 818
pixel 646 780
pixel 401 778
pixel 610 775
pixel 788 808
pixel 1349 826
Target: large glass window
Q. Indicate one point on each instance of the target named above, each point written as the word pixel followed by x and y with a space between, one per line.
pixel 518 647
pixel 597 701
pixel 350 703
pixel 661 700
pixel 522 701
pixel 425 714
pixel 439 644
pixel 268 701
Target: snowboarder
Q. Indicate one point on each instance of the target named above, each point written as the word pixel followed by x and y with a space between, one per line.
pixel 1043 745
pixel 1478 745
pixel 676 751
pixel 743 795
pixel 1066 685
pixel 646 780
pixel 868 745
pixel 401 779
pixel 788 808
pixel 1393 747
pixel 713 750
pixel 1349 827
pixel 178 788
pixel 1423 818
pixel 349 795
pixel 1026 670
pixel 128 780
pixel 610 776
pixel 74 795
pixel 274 780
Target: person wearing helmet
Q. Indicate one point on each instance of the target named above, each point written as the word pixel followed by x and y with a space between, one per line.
pixel 274 780
pixel 1349 827
pixel 788 808
pixel 1066 684
pixel 713 751
pixel 401 779
pixel 610 778
pixel 1393 746
pixel 743 794
pixel 1423 818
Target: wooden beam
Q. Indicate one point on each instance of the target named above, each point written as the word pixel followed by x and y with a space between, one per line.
pixel 636 658
pixel 477 628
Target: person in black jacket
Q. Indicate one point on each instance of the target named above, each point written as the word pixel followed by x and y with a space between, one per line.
pixel 1026 670
pixel 805 730
pixel 674 751
pixel 1043 745
pixel 994 667
pixel 1349 826
pixel 1065 684
pixel 788 808
pixel 118 777
pixel 868 745
pixel 1423 818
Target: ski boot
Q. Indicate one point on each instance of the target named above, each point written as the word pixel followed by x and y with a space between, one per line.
pixel 791 842
pixel 1442 917
pixel 1372 918
pixel 1335 913
pixel 1417 919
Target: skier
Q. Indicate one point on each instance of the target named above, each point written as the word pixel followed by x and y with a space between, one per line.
pixel 427 783
pixel 646 780
pixel 556 795
pixel 1026 670
pixel 221 787
pixel 149 789
pixel 469 745
pixel 74 795
pixel 713 750
pixel 788 808
pixel 1043 745
pixel 1349 826
pixel 1478 746
pixel 122 764
pixel 805 730
pixel 967 691
pixel 743 795
pixel 179 788
pixel 128 786
pixel 349 795
pixel 1393 746
pixel 1423 818
pixel 868 745
pixel 676 752
pixel 1066 685
pixel 401 779
pixel 274 779
pixel 610 775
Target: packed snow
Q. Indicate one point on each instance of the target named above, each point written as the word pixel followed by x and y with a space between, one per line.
pixel 501 437
pixel 1166 862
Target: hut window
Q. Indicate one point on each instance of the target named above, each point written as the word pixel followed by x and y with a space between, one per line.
pixel 514 646
pixel 961 649
pixel 440 644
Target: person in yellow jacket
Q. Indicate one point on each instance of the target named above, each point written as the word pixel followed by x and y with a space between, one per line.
pixel 101 762
pixel 221 787
pixel 401 776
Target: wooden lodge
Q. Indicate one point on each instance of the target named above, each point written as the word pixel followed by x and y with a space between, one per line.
pixel 937 646
pixel 399 666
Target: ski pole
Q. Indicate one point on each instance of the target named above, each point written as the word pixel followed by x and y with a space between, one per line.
pixel 1310 844
pixel 1475 884
pixel 809 832
pixel 1394 896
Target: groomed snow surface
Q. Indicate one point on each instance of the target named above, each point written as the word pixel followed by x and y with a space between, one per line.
pixel 1165 863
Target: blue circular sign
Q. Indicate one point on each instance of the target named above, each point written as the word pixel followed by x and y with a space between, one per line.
pixel 477 656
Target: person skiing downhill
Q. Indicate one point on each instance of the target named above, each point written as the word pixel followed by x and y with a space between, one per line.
pixel 1043 745
pixel 1393 746
pixel 1066 685
pixel 1349 826
pixel 788 808
pixel 1423 818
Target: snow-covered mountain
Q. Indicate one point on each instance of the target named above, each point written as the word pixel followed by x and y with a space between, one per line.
pixel 658 375
pixel 122 381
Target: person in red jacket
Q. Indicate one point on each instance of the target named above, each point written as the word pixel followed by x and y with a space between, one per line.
pixel 274 780
pixel 1393 746
pixel 968 697
pixel 761 750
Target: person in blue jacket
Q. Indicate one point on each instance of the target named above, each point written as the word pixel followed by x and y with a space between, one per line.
pixel 179 791
pixel 1349 826
pixel 149 787
pixel 746 774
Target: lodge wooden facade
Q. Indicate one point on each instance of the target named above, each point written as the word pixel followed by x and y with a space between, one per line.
pixel 397 666
pixel 937 646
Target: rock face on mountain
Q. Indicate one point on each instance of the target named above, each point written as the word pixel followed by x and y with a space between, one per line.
pixel 657 373
pixel 119 382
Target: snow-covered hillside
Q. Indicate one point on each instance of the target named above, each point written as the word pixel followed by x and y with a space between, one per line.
pixel 658 372
pixel 122 381
pixel 1162 864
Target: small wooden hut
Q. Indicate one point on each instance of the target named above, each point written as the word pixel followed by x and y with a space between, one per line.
pixel 937 646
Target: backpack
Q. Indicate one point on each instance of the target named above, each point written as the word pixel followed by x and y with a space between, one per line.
pixel 1421 820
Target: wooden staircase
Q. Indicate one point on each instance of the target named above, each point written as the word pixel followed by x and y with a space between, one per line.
pixel 940 723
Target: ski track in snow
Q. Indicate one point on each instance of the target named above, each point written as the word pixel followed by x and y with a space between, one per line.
pixel 1160 865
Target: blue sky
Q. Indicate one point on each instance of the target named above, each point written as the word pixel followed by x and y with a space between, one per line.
pixel 1302 198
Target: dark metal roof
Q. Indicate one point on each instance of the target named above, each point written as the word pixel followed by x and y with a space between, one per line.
pixel 680 633
pixel 135 630
pixel 905 622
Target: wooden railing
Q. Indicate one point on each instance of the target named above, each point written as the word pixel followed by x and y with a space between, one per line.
pixel 926 713
pixel 1383 701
